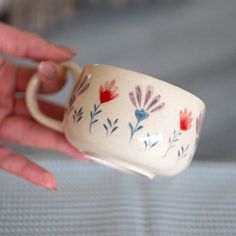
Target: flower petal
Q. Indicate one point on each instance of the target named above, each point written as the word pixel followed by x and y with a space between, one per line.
pixel 155 100
pixel 107 94
pixel 85 87
pixel 81 83
pixel 138 94
pixel 149 92
pixel 132 99
pixel 158 108
pixel 185 119
pixel 111 85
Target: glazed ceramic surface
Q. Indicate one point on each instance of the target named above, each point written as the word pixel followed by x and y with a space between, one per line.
pixel 128 120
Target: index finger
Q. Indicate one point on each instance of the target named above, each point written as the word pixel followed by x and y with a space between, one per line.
pixel 28 45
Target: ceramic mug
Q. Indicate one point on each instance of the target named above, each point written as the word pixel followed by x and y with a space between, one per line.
pixel 127 120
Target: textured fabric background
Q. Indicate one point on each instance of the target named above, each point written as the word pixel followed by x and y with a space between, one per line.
pixel 96 201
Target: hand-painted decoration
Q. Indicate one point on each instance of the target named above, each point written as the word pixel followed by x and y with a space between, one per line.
pixel 145 105
pixel 107 93
pixel 151 140
pixel 81 86
pixel 185 125
pixel 110 127
pixel 199 122
pixel 182 153
pixel 78 114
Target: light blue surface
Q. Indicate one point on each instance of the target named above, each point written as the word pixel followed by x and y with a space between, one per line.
pixel 97 201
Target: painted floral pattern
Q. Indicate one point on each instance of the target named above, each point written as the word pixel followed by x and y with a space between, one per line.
pixel 199 122
pixel 185 118
pixel 81 86
pixel 110 127
pixel 145 104
pixel 182 153
pixel 107 92
pixel 151 140
pixel 78 115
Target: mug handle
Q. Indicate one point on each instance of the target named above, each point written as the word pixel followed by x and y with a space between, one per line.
pixel 31 98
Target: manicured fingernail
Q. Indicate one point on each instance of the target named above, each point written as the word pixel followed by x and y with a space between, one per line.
pixel 71 50
pixel 48 70
pixel 54 189
pixel 87 161
pixel 49 182
pixel 82 157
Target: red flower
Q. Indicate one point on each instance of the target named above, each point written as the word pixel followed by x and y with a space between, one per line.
pixel 108 92
pixel 185 120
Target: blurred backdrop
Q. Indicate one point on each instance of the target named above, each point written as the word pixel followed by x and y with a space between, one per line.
pixel 190 43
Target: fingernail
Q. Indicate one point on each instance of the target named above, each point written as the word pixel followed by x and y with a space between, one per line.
pixel 71 50
pixel 82 157
pixel 87 161
pixel 48 70
pixel 49 182
pixel 54 189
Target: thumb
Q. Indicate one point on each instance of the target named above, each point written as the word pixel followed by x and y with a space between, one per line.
pixel 52 76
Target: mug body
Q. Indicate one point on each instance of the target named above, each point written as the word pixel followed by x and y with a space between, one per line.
pixel 132 121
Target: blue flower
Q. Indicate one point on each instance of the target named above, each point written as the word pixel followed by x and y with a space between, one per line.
pixel 141 114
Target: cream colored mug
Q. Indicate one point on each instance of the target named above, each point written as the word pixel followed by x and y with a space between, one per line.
pixel 127 120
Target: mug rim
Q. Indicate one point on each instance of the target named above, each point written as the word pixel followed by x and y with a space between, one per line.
pixel 150 77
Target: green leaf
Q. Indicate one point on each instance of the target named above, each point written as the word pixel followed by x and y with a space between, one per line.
pixel 109 122
pixel 115 121
pixel 91 114
pixel 105 127
pixel 97 112
pixel 115 128
pixel 145 142
pixel 80 110
pixel 140 127
pixel 154 144
pixel 94 121
pixel 131 127
pixel 79 119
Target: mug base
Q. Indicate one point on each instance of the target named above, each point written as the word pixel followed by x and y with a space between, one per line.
pixel 120 165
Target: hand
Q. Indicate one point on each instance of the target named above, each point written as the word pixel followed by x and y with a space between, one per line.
pixel 16 124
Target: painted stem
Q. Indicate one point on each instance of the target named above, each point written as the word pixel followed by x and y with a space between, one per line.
pixel 171 144
pixel 92 119
pixel 135 129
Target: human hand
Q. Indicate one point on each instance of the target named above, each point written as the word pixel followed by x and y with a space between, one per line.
pixel 16 124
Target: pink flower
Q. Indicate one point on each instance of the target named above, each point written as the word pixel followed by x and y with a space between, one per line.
pixel 146 102
pixel 199 122
pixel 185 120
pixel 82 85
pixel 108 92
